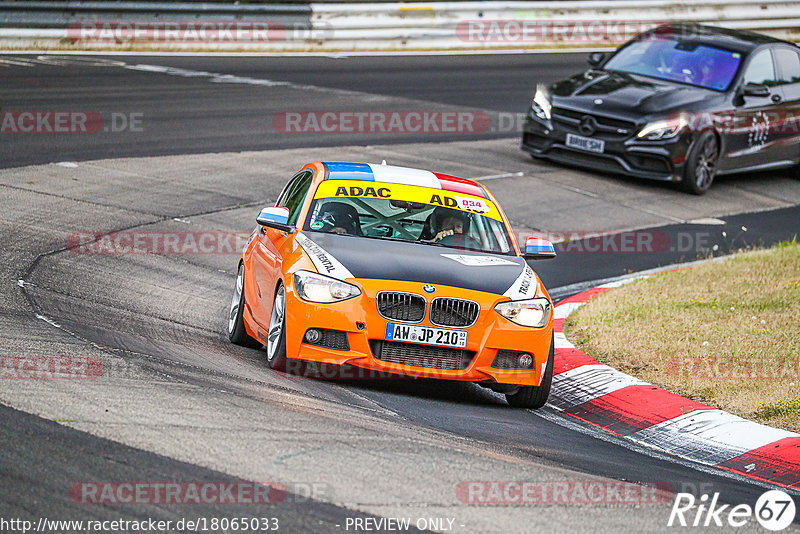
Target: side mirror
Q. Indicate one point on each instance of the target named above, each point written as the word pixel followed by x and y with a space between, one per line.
pixel 537 248
pixel 277 218
pixel 755 89
pixel 596 58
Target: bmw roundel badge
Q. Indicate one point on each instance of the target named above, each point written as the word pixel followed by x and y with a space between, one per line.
pixel 428 288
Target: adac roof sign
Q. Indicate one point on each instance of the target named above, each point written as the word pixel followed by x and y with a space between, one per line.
pixel 409 193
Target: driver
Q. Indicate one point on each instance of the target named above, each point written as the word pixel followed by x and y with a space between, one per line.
pixel 446 222
pixel 339 218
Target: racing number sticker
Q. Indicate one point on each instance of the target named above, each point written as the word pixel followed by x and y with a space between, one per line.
pixel 472 204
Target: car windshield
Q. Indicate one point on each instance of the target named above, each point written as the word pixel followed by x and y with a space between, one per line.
pixel 408 213
pixel 678 61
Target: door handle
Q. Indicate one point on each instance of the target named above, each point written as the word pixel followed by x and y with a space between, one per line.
pixel 776 98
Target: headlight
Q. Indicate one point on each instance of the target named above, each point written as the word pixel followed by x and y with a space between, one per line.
pixel 315 287
pixel 541 104
pixel 533 312
pixel 665 129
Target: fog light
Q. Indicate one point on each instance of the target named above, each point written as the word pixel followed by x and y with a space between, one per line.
pixel 313 336
pixel 525 360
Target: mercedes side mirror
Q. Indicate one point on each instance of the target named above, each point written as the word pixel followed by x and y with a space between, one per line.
pixel 277 218
pixel 537 248
pixel 596 58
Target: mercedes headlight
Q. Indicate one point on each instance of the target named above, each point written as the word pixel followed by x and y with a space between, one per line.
pixel 532 312
pixel 541 104
pixel 664 129
pixel 315 287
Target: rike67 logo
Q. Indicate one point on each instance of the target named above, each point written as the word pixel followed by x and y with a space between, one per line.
pixel 774 510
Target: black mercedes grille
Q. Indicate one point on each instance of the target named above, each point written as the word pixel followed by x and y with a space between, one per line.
pixel 401 306
pixel 422 355
pixel 454 312
pixel 605 127
pixel 607 122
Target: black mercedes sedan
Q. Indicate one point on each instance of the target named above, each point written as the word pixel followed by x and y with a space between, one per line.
pixel 680 103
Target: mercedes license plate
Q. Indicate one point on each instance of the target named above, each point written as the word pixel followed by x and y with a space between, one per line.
pixel 586 143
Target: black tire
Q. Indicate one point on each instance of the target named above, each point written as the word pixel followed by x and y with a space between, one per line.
pixel 236 330
pixel 701 165
pixel 276 336
pixel 533 397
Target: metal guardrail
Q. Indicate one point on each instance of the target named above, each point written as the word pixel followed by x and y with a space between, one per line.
pixel 394 25
pixel 54 15
pixel 564 23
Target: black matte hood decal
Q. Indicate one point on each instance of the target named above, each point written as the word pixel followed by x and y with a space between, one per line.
pixel 398 260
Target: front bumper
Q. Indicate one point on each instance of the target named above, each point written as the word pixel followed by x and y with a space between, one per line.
pixel 623 154
pixel 359 319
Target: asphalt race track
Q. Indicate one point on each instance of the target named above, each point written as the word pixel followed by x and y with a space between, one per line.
pixel 232 109
pixel 176 402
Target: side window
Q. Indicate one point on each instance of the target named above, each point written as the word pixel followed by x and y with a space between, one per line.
pixel 288 189
pixel 788 64
pixel 292 197
pixel 761 69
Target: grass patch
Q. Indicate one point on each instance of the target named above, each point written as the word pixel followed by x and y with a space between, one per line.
pixel 726 334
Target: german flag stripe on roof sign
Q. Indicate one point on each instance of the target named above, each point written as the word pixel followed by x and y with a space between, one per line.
pixel 409 193
pixel 402 175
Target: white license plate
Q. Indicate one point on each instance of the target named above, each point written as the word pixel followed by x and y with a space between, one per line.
pixel 426 335
pixel 586 143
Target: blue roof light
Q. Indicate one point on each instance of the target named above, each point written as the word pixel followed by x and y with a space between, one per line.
pixel 349 171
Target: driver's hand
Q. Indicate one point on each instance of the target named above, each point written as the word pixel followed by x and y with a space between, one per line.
pixel 444 233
